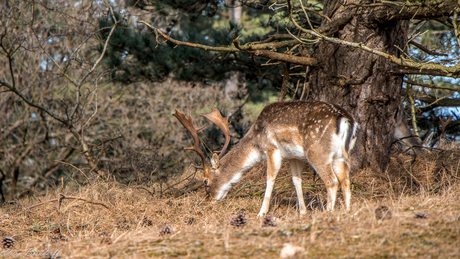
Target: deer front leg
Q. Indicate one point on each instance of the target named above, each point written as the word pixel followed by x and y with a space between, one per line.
pixel 273 166
pixel 296 171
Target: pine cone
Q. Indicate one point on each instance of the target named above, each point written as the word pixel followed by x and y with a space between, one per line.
pixel 269 222
pixel 420 215
pixel 123 224
pixel 165 231
pixel 58 235
pixel 106 241
pixel 190 221
pixel 56 231
pixel 7 243
pixel 147 222
pixel 239 221
pixel 383 212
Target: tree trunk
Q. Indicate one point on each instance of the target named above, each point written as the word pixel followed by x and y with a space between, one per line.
pixel 343 77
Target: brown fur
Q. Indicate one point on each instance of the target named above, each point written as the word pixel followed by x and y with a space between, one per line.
pixel 293 130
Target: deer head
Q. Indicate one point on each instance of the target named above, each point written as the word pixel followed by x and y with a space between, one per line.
pixel 210 172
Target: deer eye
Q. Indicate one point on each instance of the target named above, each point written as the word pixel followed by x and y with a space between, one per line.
pixel 206 182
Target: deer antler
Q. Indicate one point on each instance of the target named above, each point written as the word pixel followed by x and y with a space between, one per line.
pixel 444 125
pixel 223 124
pixel 188 124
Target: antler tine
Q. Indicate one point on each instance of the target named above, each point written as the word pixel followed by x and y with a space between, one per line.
pixel 188 124
pixel 444 125
pixel 223 125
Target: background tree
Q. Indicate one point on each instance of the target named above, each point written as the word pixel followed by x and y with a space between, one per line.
pixel 52 66
pixel 354 53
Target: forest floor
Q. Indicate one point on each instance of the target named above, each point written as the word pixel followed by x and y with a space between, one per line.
pixel 119 221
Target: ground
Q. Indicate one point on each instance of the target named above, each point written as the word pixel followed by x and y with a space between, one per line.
pixel 129 221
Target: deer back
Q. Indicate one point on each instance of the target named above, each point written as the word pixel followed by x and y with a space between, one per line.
pixel 302 128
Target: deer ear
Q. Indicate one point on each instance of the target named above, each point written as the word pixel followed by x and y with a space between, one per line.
pixel 215 161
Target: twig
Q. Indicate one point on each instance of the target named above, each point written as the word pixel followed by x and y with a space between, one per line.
pixel 62 197
pixel 296 88
pixel 412 112
pixel 10 129
pixel 73 167
pixel 448 171
pixel 408 81
pixel 456 27
pixel 33 104
pixel 425 49
pixel 316 12
pixel 186 178
pixel 285 82
pixel 68 228
pixel 145 189
pixel 306 85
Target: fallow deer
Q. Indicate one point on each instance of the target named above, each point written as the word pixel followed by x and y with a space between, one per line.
pixel 313 131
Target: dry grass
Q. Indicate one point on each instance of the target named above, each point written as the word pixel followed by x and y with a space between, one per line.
pixel 139 224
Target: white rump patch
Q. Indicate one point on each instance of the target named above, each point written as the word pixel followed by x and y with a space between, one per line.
pixel 339 140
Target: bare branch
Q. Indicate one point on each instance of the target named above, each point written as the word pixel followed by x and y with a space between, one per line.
pixel 306 61
pixel 414 71
pixel 77 91
pixel 250 48
pixel 285 82
pixel 62 197
pixel 412 113
pixel 456 24
pixel 10 129
pixel 31 103
pixel 316 12
pixel 62 162
pixel 425 49
pixel 384 11
pixel 193 45
pixel 408 81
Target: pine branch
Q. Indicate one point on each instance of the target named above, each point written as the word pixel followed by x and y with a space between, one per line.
pixel 249 47
pixel 453 71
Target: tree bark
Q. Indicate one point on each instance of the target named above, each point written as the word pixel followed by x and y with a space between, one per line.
pixel 373 102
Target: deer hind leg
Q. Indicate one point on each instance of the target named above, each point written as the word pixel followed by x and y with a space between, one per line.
pixel 296 170
pixel 342 170
pixel 273 166
pixel 324 170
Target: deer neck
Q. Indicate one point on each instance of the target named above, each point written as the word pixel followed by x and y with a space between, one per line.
pixel 240 159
